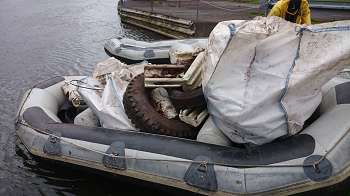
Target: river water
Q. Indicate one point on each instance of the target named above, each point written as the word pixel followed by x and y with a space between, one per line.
pixel 39 39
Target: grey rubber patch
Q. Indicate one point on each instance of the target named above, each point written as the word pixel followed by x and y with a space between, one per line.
pixel 117 149
pixel 319 172
pixel 202 175
pixel 53 145
pixel 149 54
pixel 342 92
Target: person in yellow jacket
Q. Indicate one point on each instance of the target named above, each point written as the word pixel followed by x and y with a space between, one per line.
pixel 296 11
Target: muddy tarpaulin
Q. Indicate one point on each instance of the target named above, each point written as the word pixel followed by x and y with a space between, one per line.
pixel 262 78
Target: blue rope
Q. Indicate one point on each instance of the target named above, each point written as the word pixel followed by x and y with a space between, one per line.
pixel 285 90
pixel 327 29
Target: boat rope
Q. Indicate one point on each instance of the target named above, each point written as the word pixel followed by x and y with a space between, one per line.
pixel 71 82
pixel 226 9
pixel 315 164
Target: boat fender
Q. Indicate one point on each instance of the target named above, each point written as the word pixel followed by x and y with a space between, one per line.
pixel 201 175
pixel 53 144
pixel 319 171
pixel 116 149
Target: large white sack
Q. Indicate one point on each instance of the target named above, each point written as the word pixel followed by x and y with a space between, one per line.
pixel 261 84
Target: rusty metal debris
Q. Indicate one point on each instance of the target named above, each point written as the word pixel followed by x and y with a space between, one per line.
pixel 163 75
pixel 163 71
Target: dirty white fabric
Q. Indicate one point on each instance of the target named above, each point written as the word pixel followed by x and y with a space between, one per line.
pixel 120 72
pixel 184 52
pixel 262 78
pixel 107 66
pixel 108 107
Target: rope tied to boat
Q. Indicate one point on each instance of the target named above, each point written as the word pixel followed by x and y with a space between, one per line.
pixel 86 85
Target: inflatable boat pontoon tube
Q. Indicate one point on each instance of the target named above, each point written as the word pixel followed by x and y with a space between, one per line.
pixel 132 51
pixel 316 158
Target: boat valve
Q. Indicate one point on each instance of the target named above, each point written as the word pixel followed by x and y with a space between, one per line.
pixel 203 167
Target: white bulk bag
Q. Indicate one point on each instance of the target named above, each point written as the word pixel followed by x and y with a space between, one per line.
pixel 262 78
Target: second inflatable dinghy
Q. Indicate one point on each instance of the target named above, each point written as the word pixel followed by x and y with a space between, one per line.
pixel 133 51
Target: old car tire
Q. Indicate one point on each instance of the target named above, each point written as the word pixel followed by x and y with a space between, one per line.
pixel 141 112
pixel 191 99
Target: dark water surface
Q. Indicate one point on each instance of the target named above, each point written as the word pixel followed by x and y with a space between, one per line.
pixel 39 39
